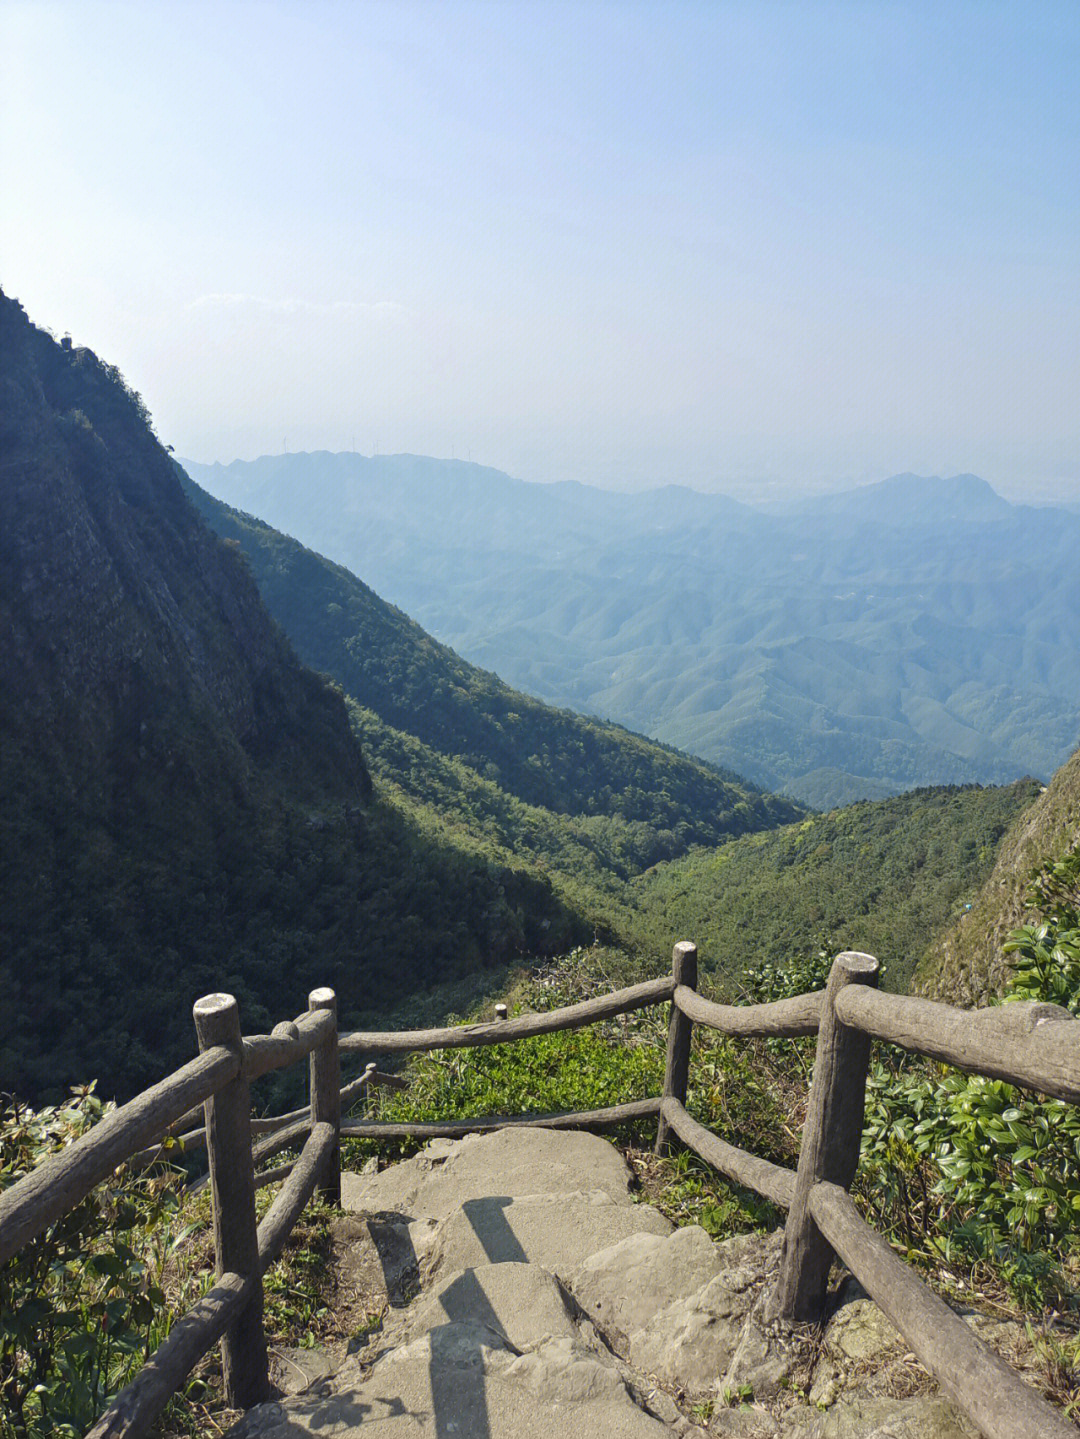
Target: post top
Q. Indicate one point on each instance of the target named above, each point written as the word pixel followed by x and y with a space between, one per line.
pixel 856 962
pixel 213 1004
pixel 321 998
pixel 685 946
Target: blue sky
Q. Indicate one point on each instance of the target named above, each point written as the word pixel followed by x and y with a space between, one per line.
pixel 751 247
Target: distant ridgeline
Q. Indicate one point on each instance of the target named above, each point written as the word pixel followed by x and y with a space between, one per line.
pixel 914 632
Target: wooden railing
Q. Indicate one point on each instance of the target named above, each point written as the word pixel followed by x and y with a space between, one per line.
pixel 1033 1045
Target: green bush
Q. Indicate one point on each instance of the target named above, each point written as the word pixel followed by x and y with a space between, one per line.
pixel 81 1306
pixel 974 1170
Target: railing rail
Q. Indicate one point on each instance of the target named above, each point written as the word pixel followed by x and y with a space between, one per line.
pixel 524 1026
pixel 1033 1045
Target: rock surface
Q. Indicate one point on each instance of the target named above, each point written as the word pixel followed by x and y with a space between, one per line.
pixel 551 1304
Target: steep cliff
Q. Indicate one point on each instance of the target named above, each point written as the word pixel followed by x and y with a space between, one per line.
pixel 183 806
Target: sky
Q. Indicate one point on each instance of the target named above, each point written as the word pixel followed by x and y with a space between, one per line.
pixel 759 248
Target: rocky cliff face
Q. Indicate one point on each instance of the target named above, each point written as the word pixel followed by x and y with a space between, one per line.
pixel 129 626
pixel 965 965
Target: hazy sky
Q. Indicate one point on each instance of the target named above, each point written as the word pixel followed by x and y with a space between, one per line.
pixel 730 245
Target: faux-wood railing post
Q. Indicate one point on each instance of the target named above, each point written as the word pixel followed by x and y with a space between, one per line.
pixel 232 1183
pixel 831 1143
pixel 677 1069
pixel 325 1080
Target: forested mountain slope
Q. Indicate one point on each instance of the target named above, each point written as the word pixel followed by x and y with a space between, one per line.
pixel 965 964
pixel 546 758
pixel 183 806
pixel 908 633
pixel 882 876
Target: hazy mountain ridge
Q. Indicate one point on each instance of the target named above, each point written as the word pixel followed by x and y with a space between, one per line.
pixel 905 633
pixel 883 874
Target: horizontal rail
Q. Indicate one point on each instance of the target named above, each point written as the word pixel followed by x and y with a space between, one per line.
pixel 265 1149
pixel 765 1178
pixel 456 1128
pixel 287 1207
pixel 502 1031
pixel 265 1052
pixel 64 1179
pixel 982 1384
pixel 1024 1042
pixel 196 1138
pixel 135 1408
pixel 780 1019
pixel 273 1176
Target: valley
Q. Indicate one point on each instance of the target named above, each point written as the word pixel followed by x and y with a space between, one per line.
pixel 909 633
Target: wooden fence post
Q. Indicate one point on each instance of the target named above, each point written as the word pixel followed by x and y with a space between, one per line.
pixel 325 1081
pixel 831 1143
pixel 232 1185
pixel 677 1069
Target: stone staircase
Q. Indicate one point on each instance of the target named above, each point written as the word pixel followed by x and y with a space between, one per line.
pixel 529 1295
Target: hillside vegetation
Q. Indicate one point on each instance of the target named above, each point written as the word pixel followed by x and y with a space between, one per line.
pixel 851 647
pixel 967 963
pixel 882 876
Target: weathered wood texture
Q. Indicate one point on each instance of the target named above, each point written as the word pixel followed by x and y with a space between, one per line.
pixel 264 1052
pixel 288 1205
pixel 771 1180
pixel 232 1183
pixel 291 1137
pixel 684 976
pixel 456 1129
pixel 987 1389
pixel 1025 1042
pixel 781 1019
pixel 61 1181
pixel 831 1142
pixel 502 1031
pixel 135 1408
pixel 325 1092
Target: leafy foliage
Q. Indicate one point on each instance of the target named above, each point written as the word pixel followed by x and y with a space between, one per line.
pixel 881 876
pixel 82 1306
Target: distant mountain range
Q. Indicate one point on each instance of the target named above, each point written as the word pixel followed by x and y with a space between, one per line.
pixel 912 632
